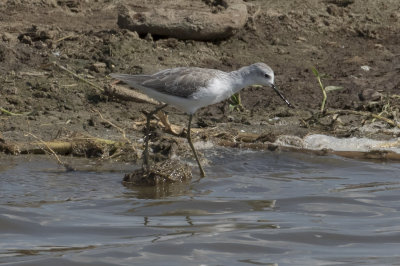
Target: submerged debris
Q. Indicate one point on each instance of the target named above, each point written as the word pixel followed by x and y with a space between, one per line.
pixel 169 171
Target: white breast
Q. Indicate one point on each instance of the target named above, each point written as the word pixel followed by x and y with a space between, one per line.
pixel 217 91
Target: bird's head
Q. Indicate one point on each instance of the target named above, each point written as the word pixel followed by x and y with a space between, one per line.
pixel 264 75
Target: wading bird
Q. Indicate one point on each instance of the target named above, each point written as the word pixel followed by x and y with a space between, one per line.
pixel 191 88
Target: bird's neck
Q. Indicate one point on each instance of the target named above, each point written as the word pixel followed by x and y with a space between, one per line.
pixel 241 78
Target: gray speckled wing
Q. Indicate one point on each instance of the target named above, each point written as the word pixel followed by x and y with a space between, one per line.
pixel 180 82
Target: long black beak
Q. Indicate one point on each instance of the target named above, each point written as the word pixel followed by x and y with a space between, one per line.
pixel 281 95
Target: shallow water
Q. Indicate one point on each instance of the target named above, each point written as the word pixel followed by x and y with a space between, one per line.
pixel 258 208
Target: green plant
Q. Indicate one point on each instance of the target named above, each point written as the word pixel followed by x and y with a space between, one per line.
pixel 325 90
pixel 4 111
pixel 235 103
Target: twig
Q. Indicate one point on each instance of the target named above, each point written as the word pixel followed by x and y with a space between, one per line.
pixel 385 108
pixel 66 37
pixel 113 125
pixel 124 93
pixel 78 77
pixel 167 125
pixel 395 96
pixel 387 120
pixel 65 165
pixel 33 74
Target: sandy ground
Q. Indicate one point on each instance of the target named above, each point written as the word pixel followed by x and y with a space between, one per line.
pixel 352 43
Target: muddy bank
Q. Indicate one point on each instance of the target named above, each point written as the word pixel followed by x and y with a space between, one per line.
pixel 352 44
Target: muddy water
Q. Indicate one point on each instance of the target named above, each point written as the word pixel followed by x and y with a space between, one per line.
pixel 255 208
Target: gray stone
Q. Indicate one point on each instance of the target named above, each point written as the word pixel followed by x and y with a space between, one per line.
pixel 370 95
pixel 185 20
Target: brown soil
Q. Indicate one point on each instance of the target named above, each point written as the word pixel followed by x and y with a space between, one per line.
pixel 338 37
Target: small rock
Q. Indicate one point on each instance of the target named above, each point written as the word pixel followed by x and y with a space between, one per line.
pixel 301 39
pixel 8 37
pixel 92 121
pixel 40 45
pixel 49 43
pixel 148 37
pixel 395 16
pixel 276 41
pixel 281 51
pixel 326 120
pixel 334 10
pixel 370 95
pixel 46 34
pixel 10 90
pixel 132 34
pixel 366 68
pixel 26 39
pixel 98 67
pixel 347 120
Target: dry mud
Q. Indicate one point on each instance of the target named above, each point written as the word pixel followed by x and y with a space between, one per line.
pixel 353 43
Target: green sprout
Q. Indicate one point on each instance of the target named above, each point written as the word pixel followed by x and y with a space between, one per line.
pixel 6 112
pixel 235 103
pixel 325 90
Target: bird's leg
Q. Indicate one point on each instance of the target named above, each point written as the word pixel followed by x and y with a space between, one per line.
pixel 189 138
pixel 146 163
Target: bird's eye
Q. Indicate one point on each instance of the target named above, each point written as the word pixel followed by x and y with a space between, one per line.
pixel 267 76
